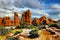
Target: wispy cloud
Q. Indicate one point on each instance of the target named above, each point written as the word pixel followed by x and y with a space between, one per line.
pixel 37 7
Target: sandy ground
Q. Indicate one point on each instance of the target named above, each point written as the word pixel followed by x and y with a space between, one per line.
pixel 44 35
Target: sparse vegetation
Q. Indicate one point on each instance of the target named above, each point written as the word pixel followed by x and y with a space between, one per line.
pixel 41 27
pixel 55 25
pixel 3 31
pixel 11 38
pixel 35 24
pixel 23 25
pixel 34 33
pixel 18 31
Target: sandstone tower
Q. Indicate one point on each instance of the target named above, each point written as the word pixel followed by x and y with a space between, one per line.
pixel 16 20
pixel 26 17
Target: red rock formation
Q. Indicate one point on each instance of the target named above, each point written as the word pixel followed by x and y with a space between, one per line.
pixel 47 22
pixel 0 21
pixel 42 18
pixel 6 18
pixel 23 17
pixel 12 23
pixel 37 21
pixel 50 20
pixel 26 17
pixel 9 23
pixel 16 20
pixel 6 21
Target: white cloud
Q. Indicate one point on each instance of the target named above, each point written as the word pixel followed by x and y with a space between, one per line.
pixel 54 11
pixel 28 3
pixel 56 6
pixel 20 3
pixel 59 16
pixel 40 12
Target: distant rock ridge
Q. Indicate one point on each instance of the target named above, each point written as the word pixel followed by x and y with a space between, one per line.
pixel 26 17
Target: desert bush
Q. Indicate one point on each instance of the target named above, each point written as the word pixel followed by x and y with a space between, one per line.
pixel 41 27
pixel 18 31
pixel 11 38
pixel 22 25
pixel 34 33
pixel 55 25
pixel 35 24
pixel 3 31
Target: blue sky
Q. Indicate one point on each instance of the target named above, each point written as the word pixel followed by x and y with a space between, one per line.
pixel 48 8
pixel 50 1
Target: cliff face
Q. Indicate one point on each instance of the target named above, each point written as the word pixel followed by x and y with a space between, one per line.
pixel 26 17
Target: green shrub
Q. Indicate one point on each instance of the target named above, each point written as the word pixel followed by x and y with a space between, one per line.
pixel 18 27
pixel 30 26
pixel 18 31
pixel 3 31
pixel 35 24
pixel 41 27
pixel 22 25
pixel 55 25
pixel 34 33
pixel 11 38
